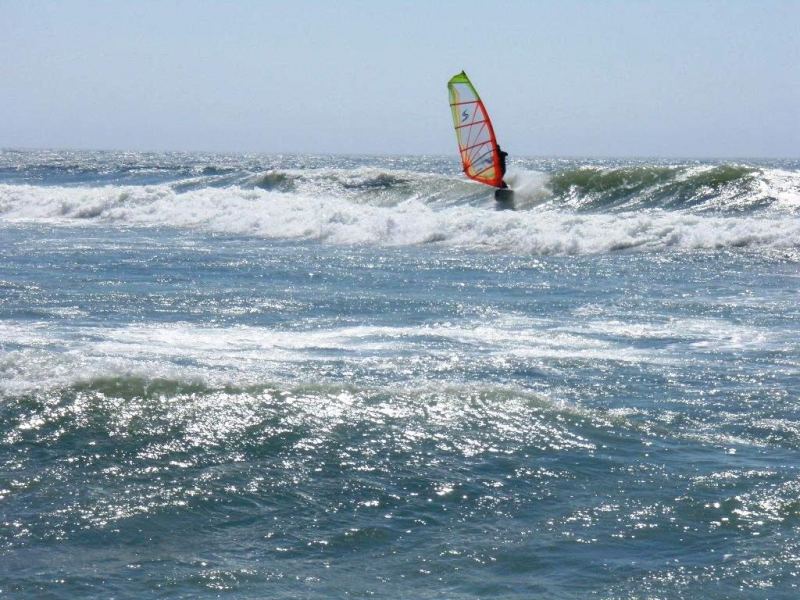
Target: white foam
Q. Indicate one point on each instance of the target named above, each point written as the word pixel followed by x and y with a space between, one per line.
pixel 710 334
pixel 530 187
pixel 784 186
pixel 42 355
pixel 334 220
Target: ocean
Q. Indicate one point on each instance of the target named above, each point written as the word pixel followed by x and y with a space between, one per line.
pixel 297 376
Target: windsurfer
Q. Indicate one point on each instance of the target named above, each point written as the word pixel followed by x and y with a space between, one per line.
pixel 502 156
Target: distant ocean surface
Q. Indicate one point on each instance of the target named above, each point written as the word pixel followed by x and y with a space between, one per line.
pixel 327 377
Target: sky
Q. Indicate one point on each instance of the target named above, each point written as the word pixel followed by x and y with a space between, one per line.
pixel 560 78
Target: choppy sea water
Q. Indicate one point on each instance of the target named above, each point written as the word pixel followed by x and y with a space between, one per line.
pixel 319 377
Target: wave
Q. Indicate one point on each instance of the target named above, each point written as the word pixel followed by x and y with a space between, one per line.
pixel 726 188
pixel 169 363
pixel 274 180
pixel 368 185
pixel 37 356
pixel 578 185
pixel 569 208
pixel 393 221
pixel 586 184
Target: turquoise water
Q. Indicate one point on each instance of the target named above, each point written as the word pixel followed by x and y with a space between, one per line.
pixel 316 377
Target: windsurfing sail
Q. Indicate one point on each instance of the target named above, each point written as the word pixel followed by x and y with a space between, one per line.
pixel 476 142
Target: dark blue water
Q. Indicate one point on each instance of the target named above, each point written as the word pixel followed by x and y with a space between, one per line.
pixel 316 377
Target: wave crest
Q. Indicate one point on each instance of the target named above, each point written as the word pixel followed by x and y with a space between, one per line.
pixel 294 216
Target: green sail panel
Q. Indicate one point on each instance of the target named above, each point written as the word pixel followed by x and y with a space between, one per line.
pixel 474 132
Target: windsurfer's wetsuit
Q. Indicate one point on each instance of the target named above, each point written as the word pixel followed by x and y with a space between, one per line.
pixel 502 155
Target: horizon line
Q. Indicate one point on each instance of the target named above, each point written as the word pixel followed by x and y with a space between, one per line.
pixel 454 156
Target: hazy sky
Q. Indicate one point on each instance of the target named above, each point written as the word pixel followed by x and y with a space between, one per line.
pixel 559 78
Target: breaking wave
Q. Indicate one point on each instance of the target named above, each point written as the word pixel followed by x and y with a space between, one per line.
pixel 565 207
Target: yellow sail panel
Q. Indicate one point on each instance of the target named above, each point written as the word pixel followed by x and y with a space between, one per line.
pixel 474 133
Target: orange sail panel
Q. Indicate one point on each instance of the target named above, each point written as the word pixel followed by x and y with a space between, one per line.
pixel 474 132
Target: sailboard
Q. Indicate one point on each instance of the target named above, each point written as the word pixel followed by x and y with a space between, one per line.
pixel 480 155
